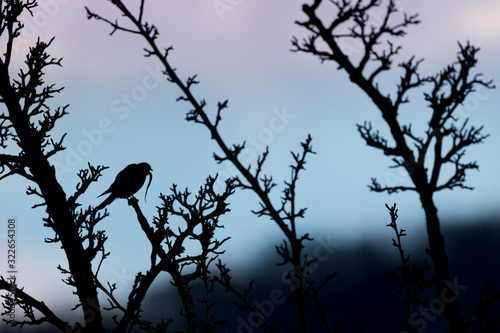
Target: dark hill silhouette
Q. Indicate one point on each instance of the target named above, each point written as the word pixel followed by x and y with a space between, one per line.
pixel 363 269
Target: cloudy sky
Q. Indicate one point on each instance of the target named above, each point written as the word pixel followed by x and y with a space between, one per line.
pixel 123 111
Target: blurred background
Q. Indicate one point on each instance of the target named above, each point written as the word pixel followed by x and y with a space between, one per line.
pixel 122 111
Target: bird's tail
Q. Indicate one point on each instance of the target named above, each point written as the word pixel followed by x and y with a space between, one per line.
pixel 105 192
pixel 106 202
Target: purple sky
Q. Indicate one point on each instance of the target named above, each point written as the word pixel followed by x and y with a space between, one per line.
pixel 120 107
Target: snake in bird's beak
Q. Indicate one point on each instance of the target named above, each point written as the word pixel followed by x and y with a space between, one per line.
pixel 149 183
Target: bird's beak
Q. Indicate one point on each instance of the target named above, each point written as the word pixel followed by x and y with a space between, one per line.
pixel 149 183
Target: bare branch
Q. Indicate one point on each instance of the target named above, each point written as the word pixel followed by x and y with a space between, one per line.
pixel 29 303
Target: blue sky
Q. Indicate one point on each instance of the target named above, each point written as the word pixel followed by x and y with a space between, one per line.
pixel 122 111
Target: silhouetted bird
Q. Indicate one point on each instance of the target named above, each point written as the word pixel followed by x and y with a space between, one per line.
pixel 128 182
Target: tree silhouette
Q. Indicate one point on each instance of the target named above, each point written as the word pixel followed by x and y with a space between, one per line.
pixel 286 214
pixel 26 122
pixel 26 125
pixel 375 24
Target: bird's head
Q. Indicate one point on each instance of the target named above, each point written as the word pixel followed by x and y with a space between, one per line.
pixel 146 169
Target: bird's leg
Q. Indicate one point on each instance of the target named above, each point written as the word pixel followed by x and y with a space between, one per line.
pixel 132 200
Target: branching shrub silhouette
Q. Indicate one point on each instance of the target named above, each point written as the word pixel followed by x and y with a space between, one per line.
pixel 485 318
pixel 375 25
pixel 409 279
pixel 201 219
pixel 26 122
